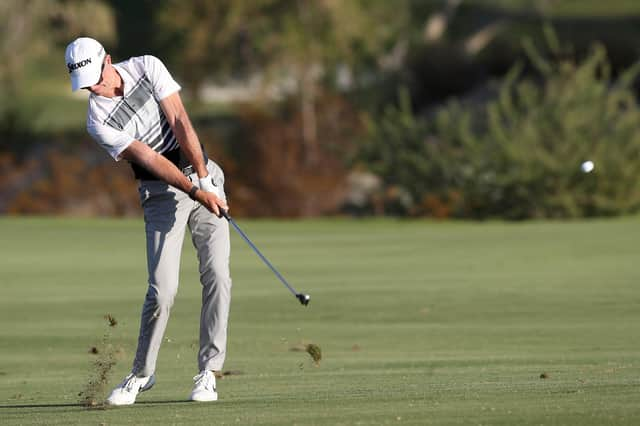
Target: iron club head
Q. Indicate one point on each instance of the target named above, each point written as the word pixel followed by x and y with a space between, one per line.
pixel 303 298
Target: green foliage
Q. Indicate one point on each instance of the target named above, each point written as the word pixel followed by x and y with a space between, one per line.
pixel 32 28
pixel 397 147
pixel 278 38
pixel 519 155
pixel 17 132
pixel 203 39
pixel 31 31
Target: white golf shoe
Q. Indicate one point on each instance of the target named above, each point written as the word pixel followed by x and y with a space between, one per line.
pixel 205 387
pixel 125 393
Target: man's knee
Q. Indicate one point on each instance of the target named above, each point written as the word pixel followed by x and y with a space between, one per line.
pixel 161 299
pixel 215 272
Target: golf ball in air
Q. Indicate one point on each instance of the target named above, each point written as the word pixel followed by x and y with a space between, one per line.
pixel 587 166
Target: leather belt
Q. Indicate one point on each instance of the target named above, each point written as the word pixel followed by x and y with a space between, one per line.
pixel 188 170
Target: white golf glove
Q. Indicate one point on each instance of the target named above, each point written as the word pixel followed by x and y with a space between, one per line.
pixel 207 185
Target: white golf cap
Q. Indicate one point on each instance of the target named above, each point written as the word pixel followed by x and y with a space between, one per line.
pixel 84 58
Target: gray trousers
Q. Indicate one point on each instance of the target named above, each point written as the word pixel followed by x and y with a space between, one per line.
pixel 167 213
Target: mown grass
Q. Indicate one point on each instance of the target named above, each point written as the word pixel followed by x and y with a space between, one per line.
pixel 419 323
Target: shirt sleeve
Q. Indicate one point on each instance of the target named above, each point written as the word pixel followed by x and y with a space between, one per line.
pixel 112 140
pixel 162 82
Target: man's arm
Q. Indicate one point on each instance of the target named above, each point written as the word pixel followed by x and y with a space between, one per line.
pixel 185 134
pixel 165 170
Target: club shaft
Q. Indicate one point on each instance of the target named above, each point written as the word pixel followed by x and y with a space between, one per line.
pixel 255 249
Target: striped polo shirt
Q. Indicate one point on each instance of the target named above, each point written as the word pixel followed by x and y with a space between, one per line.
pixel 116 122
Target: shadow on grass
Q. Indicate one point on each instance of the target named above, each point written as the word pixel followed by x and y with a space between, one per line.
pixel 40 406
pixel 14 406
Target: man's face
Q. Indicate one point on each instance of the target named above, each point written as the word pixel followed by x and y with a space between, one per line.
pixel 106 85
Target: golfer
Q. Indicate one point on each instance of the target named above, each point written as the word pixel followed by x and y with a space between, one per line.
pixel 136 114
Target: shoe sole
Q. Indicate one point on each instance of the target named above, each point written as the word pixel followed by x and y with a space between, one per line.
pixel 204 400
pixel 196 399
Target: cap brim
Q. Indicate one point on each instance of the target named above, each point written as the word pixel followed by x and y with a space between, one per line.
pixel 89 76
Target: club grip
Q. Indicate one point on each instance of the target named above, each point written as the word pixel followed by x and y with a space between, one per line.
pixel 224 213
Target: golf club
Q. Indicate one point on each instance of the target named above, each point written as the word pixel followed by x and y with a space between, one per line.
pixel 303 298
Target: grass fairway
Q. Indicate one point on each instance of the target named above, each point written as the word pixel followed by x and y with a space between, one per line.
pixel 419 323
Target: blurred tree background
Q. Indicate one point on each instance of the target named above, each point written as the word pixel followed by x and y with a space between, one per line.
pixel 443 108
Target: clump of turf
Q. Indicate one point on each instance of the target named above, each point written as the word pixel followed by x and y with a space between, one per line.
pixel 111 320
pixel 315 352
pixel 93 393
pixel 312 349
pixel 223 374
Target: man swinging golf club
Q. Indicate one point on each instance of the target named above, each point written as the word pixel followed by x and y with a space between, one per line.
pixel 136 113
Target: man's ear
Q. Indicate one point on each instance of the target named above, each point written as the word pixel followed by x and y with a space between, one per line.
pixel 107 59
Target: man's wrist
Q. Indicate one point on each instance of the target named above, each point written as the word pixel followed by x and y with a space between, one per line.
pixel 192 192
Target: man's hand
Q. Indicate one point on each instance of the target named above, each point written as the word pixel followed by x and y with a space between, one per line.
pixel 206 184
pixel 211 201
pixel 208 187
